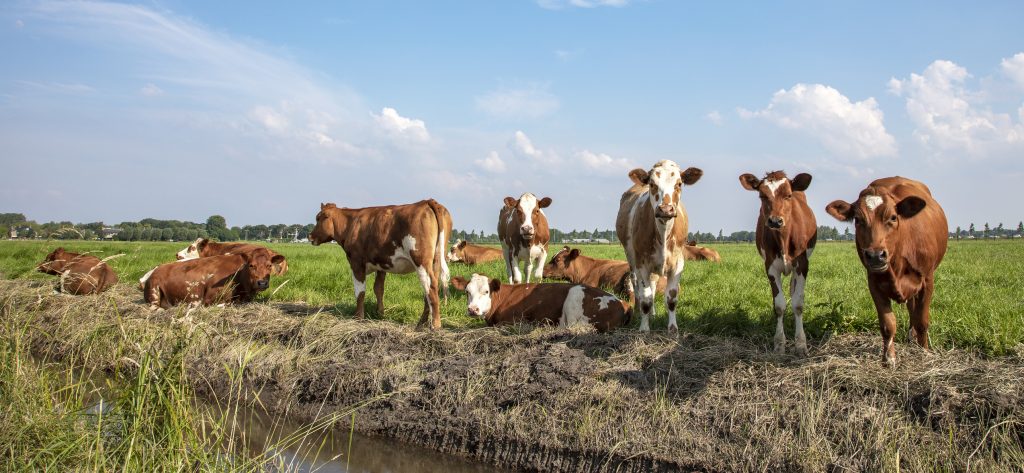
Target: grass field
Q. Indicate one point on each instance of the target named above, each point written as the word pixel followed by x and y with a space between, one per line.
pixel 979 301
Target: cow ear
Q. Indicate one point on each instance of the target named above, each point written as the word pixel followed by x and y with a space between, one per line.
pixel 278 262
pixel 495 285
pixel 461 245
pixel 322 206
pixel 565 248
pixel 459 283
pixel 544 203
pixel 640 176
pixel 750 182
pixel 691 176
pixel 511 203
pixel 801 182
pixel 202 244
pixel 574 253
pixel 910 206
pixel 841 210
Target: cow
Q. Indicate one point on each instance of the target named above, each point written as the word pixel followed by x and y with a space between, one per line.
pixel 465 252
pixel 204 247
pixel 652 227
pixel 701 253
pixel 79 273
pixel 786 233
pixel 397 239
pixel 553 303
pixel 523 231
pixel 219 279
pixel 571 265
pixel 901 239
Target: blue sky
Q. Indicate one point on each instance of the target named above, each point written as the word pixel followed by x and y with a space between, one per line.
pixel 260 111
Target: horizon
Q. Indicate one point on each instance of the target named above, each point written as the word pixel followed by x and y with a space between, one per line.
pixel 179 110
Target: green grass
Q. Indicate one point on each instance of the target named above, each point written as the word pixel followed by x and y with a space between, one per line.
pixel 979 300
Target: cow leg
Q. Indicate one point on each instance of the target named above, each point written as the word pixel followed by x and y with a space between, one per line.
pixel 919 307
pixel 509 264
pixel 774 270
pixel 529 267
pixel 542 258
pixel 645 296
pixel 886 324
pixel 359 287
pixel 796 295
pixel 672 291
pixel 431 302
pixel 378 291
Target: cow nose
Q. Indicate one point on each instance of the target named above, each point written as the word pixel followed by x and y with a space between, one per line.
pixel 526 229
pixel 474 310
pixel 179 257
pixel 876 258
pixel 262 284
pixel 665 210
pixel 776 222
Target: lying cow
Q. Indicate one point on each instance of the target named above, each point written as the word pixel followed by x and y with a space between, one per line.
pixel 786 234
pixel 217 279
pixel 571 265
pixel 397 239
pixel 554 303
pixel 701 253
pixel 901 234
pixel 523 231
pixel 204 247
pixel 652 227
pixel 464 252
pixel 79 273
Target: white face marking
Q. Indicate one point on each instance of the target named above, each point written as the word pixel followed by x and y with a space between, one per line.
pixel 451 252
pixel 603 301
pixel 774 185
pixel 528 202
pixel 572 308
pixel 872 201
pixel 665 175
pixel 192 252
pixel 478 295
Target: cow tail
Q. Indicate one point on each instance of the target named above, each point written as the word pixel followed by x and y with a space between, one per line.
pixel 444 230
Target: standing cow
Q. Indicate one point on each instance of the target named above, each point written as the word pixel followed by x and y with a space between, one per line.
pixel 901 239
pixel 652 227
pixel 786 234
pixel 396 239
pixel 79 273
pixel 523 231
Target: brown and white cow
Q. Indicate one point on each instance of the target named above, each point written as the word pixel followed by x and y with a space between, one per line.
pixel 786 233
pixel 573 266
pixel 397 239
pixel 79 273
pixel 701 253
pixel 901 236
pixel 217 279
pixel 464 252
pixel 204 247
pixel 652 227
pixel 553 303
pixel 523 231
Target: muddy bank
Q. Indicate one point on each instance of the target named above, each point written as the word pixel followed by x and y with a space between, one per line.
pixel 549 399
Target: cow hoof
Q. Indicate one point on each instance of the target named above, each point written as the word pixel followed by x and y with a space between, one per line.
pixel 889 362
pixel 801 349
pixel 673 331
pixel 780 348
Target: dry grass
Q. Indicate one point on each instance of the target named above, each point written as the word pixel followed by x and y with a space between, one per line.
pixel 570 400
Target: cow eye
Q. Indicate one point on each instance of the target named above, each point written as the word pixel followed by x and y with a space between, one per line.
pixel 892 219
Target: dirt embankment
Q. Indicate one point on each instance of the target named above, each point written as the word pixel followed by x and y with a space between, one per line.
pixel 550 399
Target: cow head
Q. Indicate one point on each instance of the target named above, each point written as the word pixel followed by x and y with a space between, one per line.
pixel 478 293
pixel 664 184
pixel 54 262
pixel 194 250
pixel 526 211
pixel 324 230
pixel 261 264
pixel 776 193
pixel 456 252
pixel 877 217
pixel 560 262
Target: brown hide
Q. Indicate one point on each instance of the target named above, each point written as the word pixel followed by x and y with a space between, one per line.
pixel 573 266
pixel 414 234
pixel 701 253
pixel 545 303
pixel 86 274
pixel 468 253
pixel 514 244
pixel 898 216
pixel 206 281
pixel 204 248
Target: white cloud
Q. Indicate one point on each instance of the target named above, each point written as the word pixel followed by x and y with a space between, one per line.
pixel 533 101
pixel 406 128
pixel 950 117
pixel 270 119
pixel 522 145
pixel 560 4
pixel 604 163
pixel 151 90
pixel 853 129
pixel 19 24
pixel 491 163
pixel 57 87
pixel 1014 68
pixel 714 117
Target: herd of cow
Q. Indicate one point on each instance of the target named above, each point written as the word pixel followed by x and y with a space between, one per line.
pixel 900 239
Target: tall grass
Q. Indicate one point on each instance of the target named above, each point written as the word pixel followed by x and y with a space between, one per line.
pixel 979 300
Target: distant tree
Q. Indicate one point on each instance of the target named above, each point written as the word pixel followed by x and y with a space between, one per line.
pixel 181 233
pixel 217 227
pixel 167 234
pixel 958 231
pixel 970 230
pixel 1020 228
pixel 985 234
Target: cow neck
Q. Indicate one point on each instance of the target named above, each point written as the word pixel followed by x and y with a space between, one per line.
pixel 780 239
pixel 497 300
pixel 341 219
